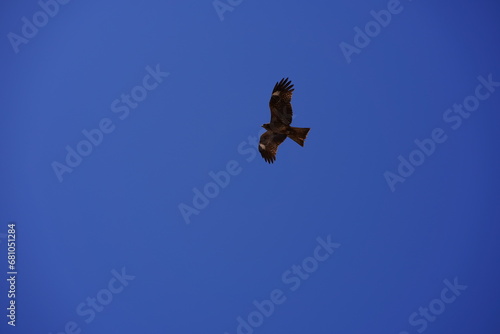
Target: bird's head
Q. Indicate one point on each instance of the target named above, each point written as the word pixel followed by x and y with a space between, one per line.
pixel 266 126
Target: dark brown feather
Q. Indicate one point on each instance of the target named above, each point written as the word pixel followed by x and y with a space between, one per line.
pixel 268 145
pixel 280 103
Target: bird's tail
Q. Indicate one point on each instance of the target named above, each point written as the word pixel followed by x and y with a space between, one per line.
pixel 298 135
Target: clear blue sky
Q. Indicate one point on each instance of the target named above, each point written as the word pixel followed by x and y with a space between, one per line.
pixel 129 164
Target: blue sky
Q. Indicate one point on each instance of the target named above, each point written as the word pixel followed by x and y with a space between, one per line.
pixel 128 137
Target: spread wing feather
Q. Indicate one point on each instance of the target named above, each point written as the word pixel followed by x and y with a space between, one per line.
pixel 268 146
pixel 280 103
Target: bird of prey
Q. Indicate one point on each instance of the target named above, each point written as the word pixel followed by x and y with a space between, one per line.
pixel 281 117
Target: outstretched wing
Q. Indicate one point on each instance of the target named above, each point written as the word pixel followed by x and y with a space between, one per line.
pixel 280 103
pixel 268 145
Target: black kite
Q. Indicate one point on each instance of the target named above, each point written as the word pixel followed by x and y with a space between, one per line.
pixel 281 117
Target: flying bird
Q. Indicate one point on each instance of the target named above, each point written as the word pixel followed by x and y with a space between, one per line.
pixel 281 117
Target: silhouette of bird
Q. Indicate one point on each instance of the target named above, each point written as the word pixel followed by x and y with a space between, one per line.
pixel 281 117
